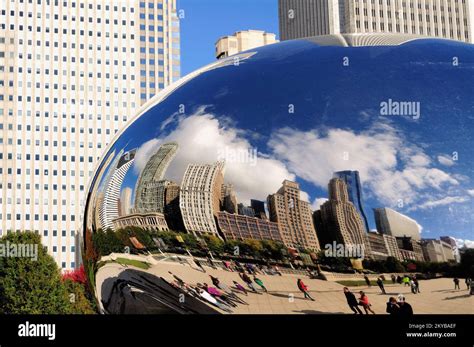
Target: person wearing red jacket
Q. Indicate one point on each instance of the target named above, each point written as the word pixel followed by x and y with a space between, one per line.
pixel 364 302
pixel 304 288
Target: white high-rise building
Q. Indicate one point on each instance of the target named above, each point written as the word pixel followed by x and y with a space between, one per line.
pixel 72 73
pixel 243 41
pixel 110 209
pixel 200 197
pixel 452 19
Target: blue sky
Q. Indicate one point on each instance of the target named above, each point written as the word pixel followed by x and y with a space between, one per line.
pixel 207 20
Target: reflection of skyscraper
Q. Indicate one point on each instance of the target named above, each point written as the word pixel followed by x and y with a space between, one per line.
pixel 393 223
pixel 245 210
pixel 172 210
pixel 259 208
pixel 200 197
pixel 341 219
pixel 150 183
pixel 110 209
pixel 125 201
pixel 354 190
pixel 294 217
pixel 229 200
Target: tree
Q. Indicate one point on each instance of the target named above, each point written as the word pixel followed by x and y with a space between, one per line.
pixel 78 298
pixel 29 286
pixel 215 244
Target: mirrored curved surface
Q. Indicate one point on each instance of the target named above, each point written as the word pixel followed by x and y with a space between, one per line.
pixel 253 160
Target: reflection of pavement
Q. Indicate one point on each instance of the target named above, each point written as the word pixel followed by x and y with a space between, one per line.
pixel 437 296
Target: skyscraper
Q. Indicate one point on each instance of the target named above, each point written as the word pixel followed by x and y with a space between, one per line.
pixel 393 223
pixel 200 197
pixel 341 219
pixel 150 186
pixel 243 41
pixel 354 190
pixel 305 18
pixel 294 217
pixel 72 74
pixel 453 19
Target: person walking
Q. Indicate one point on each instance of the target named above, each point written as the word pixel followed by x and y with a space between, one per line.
pixel 366 278
pixel 240 287
pixel 380 284
pixel 364 302
pixel 248 281
pixel 399 279
pixel 468 282
pixel 393 308
pixel 413 286
pixel 394 279
pixel 456 283
pixel 406 281
pixel 417 285
pixel 304 289
pixel 260 283
pixel 405 308
pixel 352 301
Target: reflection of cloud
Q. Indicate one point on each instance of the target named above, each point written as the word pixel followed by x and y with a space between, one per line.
pixel 144 153
pixel 445 160
pixel 316 205
pixel 464 243
pixel 444 201
pixel 201 138
pixel 390 166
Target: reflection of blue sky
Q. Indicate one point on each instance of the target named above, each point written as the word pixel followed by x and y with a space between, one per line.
pixel 336 111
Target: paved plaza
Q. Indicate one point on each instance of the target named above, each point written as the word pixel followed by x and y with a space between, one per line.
pixel 437 296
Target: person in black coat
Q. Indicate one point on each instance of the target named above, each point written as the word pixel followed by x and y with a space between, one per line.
pixel 352 301
pixel 393 308
pixel 405 308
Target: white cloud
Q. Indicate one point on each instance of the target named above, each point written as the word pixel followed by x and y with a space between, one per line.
pixel 464 243
pixel 391 168
pixel 316 205
pixel 201 139
pixel 449 200
pixel 445 160
pixel 144 153
pixel 470 192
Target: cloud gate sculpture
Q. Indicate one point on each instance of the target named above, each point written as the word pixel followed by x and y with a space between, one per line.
pixel 226 186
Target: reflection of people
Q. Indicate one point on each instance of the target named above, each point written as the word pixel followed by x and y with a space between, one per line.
pixel 304 289
pixel 380 284
pixel 393 308
pixel 240 287
pixel 468 282
pixel 456 283
pixel 405 308
pixel 364 302
pixel 260 283
pixel 417 284
pixel 248 281
pixel 352 301
pixel 366 278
